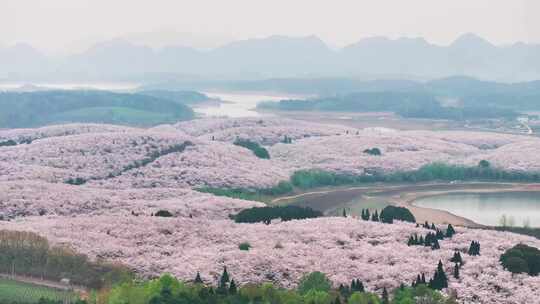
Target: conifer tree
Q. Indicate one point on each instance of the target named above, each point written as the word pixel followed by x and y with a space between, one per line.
pixel 232 287
pixel 198 279
pixel 385 299
pixel 423 279
pixel 456 271
pixel 223 285
pixel 225 275
pixel 343 290
pixel 433 226
pixel 435 245
pixel 457 258
pixel 418 281
pixel 474 248
pixel 360 286
pixel 450 231
pixel 375 216
pixel 367 215
pixel 439 280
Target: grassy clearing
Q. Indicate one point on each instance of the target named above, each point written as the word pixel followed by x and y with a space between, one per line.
pixel 13 291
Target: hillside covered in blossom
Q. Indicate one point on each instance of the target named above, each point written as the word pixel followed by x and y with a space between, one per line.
pixel 97 189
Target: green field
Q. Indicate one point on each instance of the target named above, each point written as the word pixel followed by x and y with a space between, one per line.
pixel 17 292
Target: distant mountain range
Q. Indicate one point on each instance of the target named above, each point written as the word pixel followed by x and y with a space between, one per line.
pixel 279 57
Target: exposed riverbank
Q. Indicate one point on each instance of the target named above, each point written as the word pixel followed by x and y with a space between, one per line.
pixel 377 196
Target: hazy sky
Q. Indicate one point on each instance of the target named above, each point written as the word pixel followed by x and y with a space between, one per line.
pixel 67 25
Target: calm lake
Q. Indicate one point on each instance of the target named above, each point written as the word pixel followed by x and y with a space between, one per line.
pixel 519 208
pixel 236 104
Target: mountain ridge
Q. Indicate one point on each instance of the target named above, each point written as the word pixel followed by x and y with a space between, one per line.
pixel 281 56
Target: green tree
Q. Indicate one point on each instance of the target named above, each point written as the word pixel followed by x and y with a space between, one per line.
pixel 522 259
pixel 363 298
pixel 456 271
pixel 391 213
pixel 484 164
pixel 314 281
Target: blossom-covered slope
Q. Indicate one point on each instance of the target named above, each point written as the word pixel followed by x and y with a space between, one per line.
pixel 129 174
pixel 39 198
pixel 117 157
pixel 345 249
pixel 267 131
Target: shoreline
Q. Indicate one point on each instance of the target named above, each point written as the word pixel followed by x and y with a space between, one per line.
pixel 405 195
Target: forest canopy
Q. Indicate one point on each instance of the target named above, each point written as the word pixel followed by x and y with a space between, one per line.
pixel 33 109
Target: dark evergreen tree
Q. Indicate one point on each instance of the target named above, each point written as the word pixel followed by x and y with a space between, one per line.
pixel 433 226
pixel 439 234
pixel 344 213
pixel 223 286
pixel 344 290
pixel 198 279
pixel 435 245
pixel 360 286
pixel 439 280
pixel 474 248
pixel 232 287
pixel 456 271
pixel 225 275
pixel 418 281
pixel 385 299
pixel 423 279
pixel 450 231
pixel 375 216
pixel 410 242
pixel 457 258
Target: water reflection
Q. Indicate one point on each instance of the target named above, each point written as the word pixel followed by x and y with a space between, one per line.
pixel 495 209
pixel 236 104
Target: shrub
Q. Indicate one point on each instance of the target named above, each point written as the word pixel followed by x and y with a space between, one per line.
pixel 267 214
pixel 163 213
pixel 373 151
pixel 391 213
pixel 522 259
pixel 259 151
pixel 76 181
pixel 484 164
pixel 244 246
pixel 8 143
pixel 282 187
pixel 315 281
